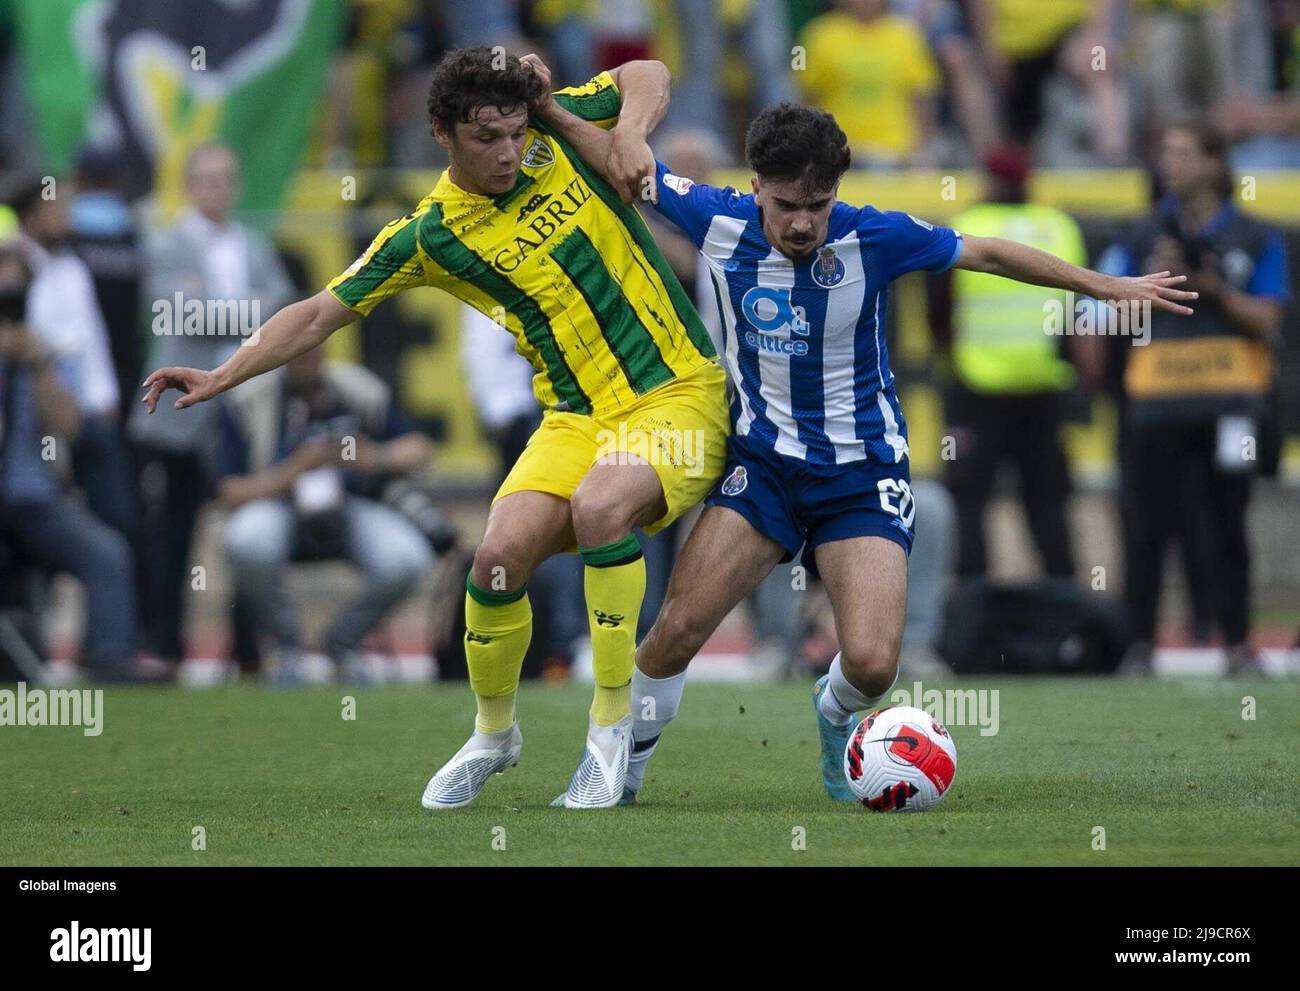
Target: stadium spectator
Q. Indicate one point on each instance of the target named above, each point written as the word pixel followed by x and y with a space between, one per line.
pixel 872 70
pixel 305 453
pixel 206 261
pixel 1004 402
pixel 49 530
pixel 63 312
pixel 1026 43
pixel 708 34
pixel 105 238
pixel 969 92
pixel 1189 62
pixel 1266 125
pixel 1195 396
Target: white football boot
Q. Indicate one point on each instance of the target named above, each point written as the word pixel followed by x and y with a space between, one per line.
pixel 459 781
pixel 598 782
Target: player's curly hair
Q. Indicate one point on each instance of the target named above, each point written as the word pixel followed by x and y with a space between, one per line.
pixel 468 79
pixel 792 142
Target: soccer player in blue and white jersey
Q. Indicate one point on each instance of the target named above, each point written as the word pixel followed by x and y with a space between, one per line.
pixel 818 457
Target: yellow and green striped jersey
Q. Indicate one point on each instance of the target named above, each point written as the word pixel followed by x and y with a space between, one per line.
pixel 569 269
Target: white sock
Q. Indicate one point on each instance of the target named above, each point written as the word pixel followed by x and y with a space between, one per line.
pixel 654 703
pixel 840 701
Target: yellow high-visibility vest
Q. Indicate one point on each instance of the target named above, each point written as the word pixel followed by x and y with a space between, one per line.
pixel 1002 339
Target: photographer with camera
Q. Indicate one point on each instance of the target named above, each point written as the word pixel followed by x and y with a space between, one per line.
pixel 38 416
pixel 316 462
pixel 1195 400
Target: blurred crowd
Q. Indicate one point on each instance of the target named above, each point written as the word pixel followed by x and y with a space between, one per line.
pixel 913 82
pixel 93 487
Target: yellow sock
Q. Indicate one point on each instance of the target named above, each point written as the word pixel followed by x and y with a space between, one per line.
pixel 614 582
pixel 498 627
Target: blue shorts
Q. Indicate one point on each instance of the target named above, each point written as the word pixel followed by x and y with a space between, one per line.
pixel 802 505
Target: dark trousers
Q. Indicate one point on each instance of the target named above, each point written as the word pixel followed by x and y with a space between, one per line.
pixel 102 459
pixel 61 535
pixel 1188 523
pixel 173 488
pixel 1172 484
pixel 991 429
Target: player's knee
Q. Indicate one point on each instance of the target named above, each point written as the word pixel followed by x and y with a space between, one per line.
pixel 871 668
pixel 599 516
pixel 500 564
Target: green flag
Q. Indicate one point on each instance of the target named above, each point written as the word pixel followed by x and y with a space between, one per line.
pixel 157 77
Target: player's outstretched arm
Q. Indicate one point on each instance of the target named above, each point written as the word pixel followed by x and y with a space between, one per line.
pixel 297 328
pixel 1011 260
pixel 622 155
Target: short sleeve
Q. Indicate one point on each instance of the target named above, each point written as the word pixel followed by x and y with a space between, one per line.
pixel 907 244
pixel 596 101
pixel 389 266
pixel 1270 277
pixel 688 205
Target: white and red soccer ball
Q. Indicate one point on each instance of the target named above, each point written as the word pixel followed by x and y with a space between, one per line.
pixel 900 759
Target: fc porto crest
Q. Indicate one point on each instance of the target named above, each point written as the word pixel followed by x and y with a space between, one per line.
pixel 828 270
pixel 736 482
pixel 539 154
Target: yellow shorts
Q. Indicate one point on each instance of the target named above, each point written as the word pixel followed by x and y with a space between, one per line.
pixel 680 428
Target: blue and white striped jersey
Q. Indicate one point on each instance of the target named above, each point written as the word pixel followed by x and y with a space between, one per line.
pixel 804 341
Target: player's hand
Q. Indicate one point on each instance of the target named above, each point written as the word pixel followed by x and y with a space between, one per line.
pixel 543 103
pixel 1158 288
pixel 631 164
pixel 196 384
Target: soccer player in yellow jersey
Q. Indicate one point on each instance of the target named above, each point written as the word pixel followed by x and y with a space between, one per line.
pixel 635 427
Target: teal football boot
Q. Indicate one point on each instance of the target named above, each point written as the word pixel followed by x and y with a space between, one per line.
pixel 834 739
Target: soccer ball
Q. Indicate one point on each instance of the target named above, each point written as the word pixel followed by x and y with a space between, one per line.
pixel 900 759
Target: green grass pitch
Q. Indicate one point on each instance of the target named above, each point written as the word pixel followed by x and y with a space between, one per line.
pixel 1170 770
